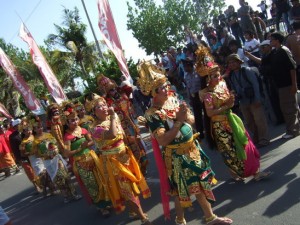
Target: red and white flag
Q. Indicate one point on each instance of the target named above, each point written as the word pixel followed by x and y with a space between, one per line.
pixel 31 101
pixel 39 60
pixel 109 33
pixel 4 111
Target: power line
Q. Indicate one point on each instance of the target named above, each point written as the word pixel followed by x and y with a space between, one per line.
pixel 28 17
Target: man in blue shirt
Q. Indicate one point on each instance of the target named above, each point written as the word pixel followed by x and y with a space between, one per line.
pixel 245 84
pixel 193 86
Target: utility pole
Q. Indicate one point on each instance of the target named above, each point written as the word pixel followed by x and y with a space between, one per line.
pixel 96 41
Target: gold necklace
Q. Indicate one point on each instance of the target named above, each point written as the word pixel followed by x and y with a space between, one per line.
pixel 77 132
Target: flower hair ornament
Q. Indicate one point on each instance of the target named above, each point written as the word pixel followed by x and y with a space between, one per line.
pixel 150 78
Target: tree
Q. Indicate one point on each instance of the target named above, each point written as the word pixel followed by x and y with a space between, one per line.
pixel 8 94
pixel 158 27
pixel 71 37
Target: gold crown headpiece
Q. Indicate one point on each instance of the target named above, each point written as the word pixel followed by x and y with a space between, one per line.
pixel 204 61
pixel 90 103
pixel 78 105
pixel 25 125
pixel 35 121
pixel 150 78
pixel 68 110
pixel 105 84
pixel 53 110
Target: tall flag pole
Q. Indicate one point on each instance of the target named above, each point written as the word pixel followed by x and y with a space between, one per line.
pixel 4 111
pixel 109 33
pixel 32 103
pixel 39 60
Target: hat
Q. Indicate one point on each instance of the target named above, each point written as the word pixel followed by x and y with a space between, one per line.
pixel 265 42
pixel 105 84
pixel 150 78
pixel 234 57
pixel 204 61
pixel 15 122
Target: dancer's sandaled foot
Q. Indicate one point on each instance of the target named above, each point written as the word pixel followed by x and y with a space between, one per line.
pixel 134 216
pixel 180 222
pixel 262 175
pixel 238 179
pixel 105 213
pixel 215 220
pixel 146 221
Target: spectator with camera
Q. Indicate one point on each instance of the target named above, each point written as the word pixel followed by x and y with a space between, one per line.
pixel 246 87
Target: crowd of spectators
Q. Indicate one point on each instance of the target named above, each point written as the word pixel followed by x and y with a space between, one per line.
pixel 268 51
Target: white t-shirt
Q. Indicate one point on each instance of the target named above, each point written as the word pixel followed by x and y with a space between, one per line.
pixel 250 45
pixel 242 56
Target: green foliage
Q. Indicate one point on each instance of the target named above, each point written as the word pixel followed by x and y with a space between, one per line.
pixel 8 94
pixel 110 68
pixel 158 27
pixel 71 39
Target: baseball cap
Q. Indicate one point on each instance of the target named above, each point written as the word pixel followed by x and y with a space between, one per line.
pixel 265 42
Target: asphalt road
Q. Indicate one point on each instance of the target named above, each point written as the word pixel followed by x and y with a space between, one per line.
pixel 268 202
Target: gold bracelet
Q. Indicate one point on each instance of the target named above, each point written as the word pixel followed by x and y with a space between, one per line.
pixel 177 124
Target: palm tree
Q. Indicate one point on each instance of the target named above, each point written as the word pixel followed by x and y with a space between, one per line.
pixel 71 36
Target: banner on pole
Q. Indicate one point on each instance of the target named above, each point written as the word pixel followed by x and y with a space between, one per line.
pixel 4 111
pixel 39 60
pixel 32 103
pixel 109 33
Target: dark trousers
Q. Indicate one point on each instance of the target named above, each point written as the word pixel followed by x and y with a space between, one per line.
pixel 197 109
pixel 273 95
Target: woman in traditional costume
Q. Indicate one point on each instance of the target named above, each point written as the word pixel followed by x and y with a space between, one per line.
pixel 85 121
pixel 27 152
pixel 123 176
pixel 227 129
pixel 183 167
pixel 85 163
pixel 55 124
pixel 46 147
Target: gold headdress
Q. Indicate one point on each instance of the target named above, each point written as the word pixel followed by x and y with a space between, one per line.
pixel 150 77
pixel 105 84
pixel 25 125
pixel 35 121
pixel 53 110
pixel 90 102
pixel 204 61
pixel 67 109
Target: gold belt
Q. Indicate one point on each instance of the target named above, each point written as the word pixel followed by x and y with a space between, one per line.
pixel 219 118
pixel 180 149
pixel 83 156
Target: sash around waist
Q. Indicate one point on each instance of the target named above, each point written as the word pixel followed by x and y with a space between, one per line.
pixel 219 118
pixel 181 148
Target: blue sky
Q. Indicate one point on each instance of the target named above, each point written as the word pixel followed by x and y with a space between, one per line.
pixel 40 15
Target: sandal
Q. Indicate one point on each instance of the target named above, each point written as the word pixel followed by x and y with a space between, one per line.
pixel 146 221
pixel 180 222
pixel 134 216
pixel 105 213
pixel 262 175
pixel 215 220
